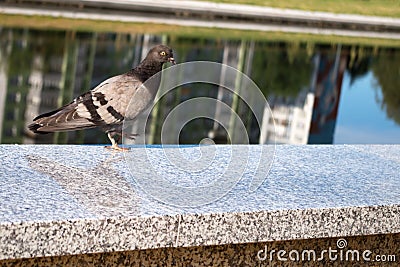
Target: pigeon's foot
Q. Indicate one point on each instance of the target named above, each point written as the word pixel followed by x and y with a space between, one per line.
pixel 114 144
pixel 117 148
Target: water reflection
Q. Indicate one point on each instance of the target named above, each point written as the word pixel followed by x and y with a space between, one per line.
pixel 41 70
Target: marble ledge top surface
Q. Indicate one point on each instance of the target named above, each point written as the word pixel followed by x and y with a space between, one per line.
pixel 60 200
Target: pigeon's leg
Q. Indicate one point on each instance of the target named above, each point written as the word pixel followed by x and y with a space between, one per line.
pixel 114 144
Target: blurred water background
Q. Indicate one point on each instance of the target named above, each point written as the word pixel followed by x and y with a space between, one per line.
pixel 319 92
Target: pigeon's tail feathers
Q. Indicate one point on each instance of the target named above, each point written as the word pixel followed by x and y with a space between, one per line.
pixel 61 127
pixel 65 118
pixel 34 127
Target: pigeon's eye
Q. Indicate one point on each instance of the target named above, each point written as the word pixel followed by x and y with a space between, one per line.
pixel 162 53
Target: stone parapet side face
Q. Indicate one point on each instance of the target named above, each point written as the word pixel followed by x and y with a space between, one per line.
pixel 41 239
pixel 384 246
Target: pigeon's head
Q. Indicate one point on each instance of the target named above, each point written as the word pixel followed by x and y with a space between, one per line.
pixel 161 53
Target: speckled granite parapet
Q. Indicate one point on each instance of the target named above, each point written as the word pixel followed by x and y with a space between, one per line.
pixel 228 228
pixel 32 239
pixel 62 200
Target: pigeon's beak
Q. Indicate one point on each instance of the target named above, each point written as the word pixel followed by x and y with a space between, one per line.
pixel 172 60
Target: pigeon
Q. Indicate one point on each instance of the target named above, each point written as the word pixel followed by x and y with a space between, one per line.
pixel 106 105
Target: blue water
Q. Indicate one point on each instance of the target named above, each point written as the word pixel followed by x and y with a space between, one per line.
pixel 361 120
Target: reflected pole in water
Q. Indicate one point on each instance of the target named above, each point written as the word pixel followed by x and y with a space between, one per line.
pixel 87 82
pixel 5 51
pixel 247 71
pixel 177 99
pixel 220 95
pixel 235 100
pixel 67 81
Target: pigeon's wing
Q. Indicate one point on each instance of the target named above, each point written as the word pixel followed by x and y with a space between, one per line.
pixel 107 103
pixel 104 105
